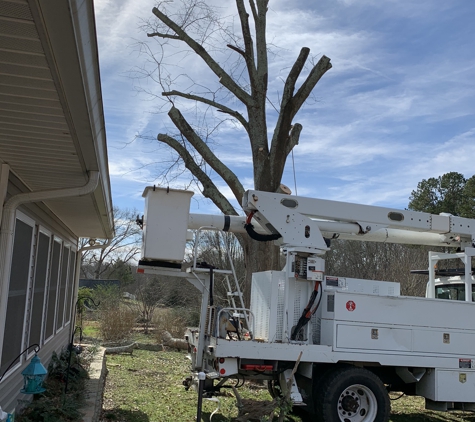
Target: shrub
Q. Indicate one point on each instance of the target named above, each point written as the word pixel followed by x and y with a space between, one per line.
pixel 173 320
pixel 116 320
pixel 116 323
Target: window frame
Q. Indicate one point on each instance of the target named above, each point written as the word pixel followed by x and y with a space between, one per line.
pixel 60 241
pixel 72 280
pixel 40 230
pixel 59 325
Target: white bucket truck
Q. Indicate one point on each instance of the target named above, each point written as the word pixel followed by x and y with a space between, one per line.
pixel 356 339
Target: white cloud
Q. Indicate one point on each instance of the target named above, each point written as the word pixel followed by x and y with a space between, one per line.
pixel 396 107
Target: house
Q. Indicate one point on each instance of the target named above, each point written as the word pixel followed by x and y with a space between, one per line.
pixel 93 283
pixel 54 180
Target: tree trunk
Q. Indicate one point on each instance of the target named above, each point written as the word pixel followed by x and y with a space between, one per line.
pixel 259 256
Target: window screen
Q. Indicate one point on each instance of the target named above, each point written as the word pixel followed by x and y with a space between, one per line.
pixel 52 290
pixel 38 302
pixel 62 288
pixel 70 286
pixel 20 269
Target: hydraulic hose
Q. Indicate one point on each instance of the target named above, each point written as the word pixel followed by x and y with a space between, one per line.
pixel 257 236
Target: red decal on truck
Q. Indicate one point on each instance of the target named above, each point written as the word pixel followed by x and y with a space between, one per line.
pixel 350 305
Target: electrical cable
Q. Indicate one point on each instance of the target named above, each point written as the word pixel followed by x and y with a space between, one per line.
pixel 318 303
pixel 237 378
pixel 293 168
pixel 257 236
pixel 308 311
pixel 397 398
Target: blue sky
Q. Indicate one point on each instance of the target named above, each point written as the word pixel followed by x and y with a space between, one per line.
pixel 397 107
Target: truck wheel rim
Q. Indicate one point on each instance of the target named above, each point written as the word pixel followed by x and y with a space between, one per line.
pixel 357 403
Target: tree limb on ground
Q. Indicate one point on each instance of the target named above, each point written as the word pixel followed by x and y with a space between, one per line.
pixel 170 341
pixel 129 348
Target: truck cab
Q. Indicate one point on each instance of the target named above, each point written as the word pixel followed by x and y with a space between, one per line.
pixel 452 287
pixel 449 283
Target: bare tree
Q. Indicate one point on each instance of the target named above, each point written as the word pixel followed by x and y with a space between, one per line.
pixel 194 28
pixel 122 250
pixel 149 294
pixel 218 249
pixel 380 261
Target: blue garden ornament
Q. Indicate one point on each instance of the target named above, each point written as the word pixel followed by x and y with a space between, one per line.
pixel 33 376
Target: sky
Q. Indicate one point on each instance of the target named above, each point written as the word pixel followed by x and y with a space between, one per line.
pixel 397 106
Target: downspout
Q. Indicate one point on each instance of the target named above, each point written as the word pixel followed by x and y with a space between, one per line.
pixel 8 227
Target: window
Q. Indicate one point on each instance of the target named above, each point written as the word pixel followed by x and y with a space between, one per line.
pixel 39 284
pixel 17 292
pixel 453 291
pixel 53 289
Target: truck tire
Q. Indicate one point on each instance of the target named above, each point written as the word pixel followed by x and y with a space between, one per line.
pixel 352 394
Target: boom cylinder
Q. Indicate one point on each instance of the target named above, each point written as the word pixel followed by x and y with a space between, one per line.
pixel 329 229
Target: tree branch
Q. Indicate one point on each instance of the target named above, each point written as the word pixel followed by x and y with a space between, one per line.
pixel 294 137
pixel 236 49
pixel 209 189
pixel 248 44
pixel 223 76
pixel 289 86
pixel 314 76
pixel 261 43
pixel 162 35
pixel 217 165
pixel 255 15
pixel 238 116
pixel 285 136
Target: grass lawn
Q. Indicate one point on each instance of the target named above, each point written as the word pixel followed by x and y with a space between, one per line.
pixel 411 409
pixel 90 329
pixel 146 387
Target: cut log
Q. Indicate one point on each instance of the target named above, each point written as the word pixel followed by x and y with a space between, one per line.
pixel 170 341
pixel 121 349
